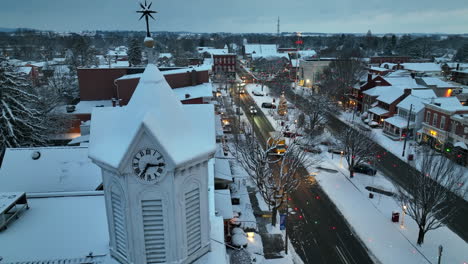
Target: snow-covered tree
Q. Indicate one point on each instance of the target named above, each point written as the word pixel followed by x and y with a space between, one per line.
pixel 21 123
pixel 134 52
pixel 274 176
pixel 432 192
pixel 357 146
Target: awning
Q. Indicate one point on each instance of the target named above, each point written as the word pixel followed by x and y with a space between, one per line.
pixel 223 205
pixel 461 145
pixel 222 171
pixel 378 111
pixel 375 104
pixel 399 122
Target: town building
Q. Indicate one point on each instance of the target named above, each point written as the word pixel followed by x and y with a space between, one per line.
pixel 225 65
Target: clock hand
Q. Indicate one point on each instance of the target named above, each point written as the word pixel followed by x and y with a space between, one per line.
pixel 156 165
pixel 144 170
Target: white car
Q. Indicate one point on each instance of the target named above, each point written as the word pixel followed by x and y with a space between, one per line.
pixel 253 110
pixel 257 93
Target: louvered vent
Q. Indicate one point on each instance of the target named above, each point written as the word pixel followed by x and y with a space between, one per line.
pixel 153 228
pixel 119 224
pixel 192 214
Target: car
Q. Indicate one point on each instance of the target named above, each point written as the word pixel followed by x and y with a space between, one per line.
pixel 268 105
pixel 311 149
pixel 290 134
pixel 365 169
pixel 241 91
pixel 258 93
pixel 336 151
pixel 253 110
pixel 373 124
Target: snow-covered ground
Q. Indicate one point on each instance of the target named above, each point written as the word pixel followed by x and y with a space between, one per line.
pixel 371 219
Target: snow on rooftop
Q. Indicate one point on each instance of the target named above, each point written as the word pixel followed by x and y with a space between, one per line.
pixel 222 170
pixel 377 91
pixel 58 169
pixel 437 82
pixel 223 203
pixel 417 103
pixel 8 198
pixel 265 49
pixel 25 70
pixel 378 110
pixel 389 96
pixel 378 69
pixel 197 91
pixel 424 93
pixel 398 121
pixel 167 55
pixel 448 103
pixel 404 82
pixel 57 228
pixel 185 133
pixel 85 107
pixel 422 67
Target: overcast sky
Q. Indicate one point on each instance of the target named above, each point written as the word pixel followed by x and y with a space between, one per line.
pixel 333 16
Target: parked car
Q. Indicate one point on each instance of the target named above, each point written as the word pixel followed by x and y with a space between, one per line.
pixel 257 93
pixel 253 110
pixel 290 134
pixel 336 150
pixel 268 105
pixel 311 149
pixel 365 168
pixel 373 124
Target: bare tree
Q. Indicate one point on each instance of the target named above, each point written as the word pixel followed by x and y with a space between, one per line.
pixel 267 69
pixel 357 146
pixel 431 193
pixel 274 176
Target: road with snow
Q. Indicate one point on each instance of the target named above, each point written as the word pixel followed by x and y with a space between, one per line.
pixel 317 230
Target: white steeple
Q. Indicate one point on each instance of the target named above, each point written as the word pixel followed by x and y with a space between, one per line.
pixel 153 154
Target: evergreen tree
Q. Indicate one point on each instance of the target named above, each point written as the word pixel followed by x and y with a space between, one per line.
pixel 462 53
pixel 21 124
pixel 134 52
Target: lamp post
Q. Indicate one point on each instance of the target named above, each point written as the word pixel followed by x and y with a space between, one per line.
pixel 341 159
pixel 403 217
pixel 286 225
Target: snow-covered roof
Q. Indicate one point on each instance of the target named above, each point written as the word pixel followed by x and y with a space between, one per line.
pixel 59 228
pixel 398 121
pixel 424 93
pixel 85 107
pixel 197 91
pixel 378 110
pixel 416 102
pixel 399 73
pixel 58 169
pixel 167 55
pixel 379 90
pixel 265 49
pixel 189 69
pixel 403 82
pixel 185 133
pixel 389 96
pixel 437 82
pixel 7 199
pixel 25 70
pixel 218 126
pixel 307 53
pixel 378 69
pixel 223 203
pixel 117 53
pixel 422 67
pixel 388 64
pixel 222 170
pixel 448 103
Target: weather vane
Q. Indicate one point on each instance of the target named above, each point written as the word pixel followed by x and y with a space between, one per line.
pixel 146 13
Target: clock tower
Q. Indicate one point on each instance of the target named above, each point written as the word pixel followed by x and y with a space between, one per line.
pixel 154 154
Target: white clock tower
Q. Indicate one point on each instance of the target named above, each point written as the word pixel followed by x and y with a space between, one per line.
pixel 153 154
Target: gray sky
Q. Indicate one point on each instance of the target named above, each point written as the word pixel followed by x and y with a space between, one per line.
pixel 349 16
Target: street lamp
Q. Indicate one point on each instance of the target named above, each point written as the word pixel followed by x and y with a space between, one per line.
pixel 341 159
pixel 403 217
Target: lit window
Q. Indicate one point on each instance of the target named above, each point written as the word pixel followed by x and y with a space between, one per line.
pixel 442 122
pixel 434 120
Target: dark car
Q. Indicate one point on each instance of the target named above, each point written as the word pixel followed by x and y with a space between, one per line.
pixel 336 151
pixel 365 168
pixel 311 149
pixel 268 105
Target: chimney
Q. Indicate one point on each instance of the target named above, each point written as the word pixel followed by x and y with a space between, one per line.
pixel 458 66
pixel 187 96
pixel 114 102
pixel 413 75
pixel 194 77
pixel 120 102
pixel 406 92
pixel 369 77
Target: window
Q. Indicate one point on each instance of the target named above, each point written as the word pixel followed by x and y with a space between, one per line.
pixel 434 120
pixel 442 122
pixel 428 117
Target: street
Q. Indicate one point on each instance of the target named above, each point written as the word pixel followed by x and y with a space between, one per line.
pixel 317 230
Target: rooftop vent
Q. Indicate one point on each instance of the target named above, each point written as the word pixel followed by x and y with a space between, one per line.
pixel 438 104
pixel 187 96
pixel 70 108
pixel 36 155
pixel 11 205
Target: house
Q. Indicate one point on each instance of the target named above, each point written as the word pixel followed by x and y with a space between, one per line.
pixel 458 138
pixel 440 87
pixel 385 105
pixel 377 60
pixel 423 68
pixel 225 65
pixel 437 129
pixel 397 126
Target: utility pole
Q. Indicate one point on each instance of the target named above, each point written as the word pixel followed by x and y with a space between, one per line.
pixel 440 254
pixel 286 226
pixel 407 130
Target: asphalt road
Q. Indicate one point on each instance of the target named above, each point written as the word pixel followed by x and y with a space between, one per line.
pixel 318 231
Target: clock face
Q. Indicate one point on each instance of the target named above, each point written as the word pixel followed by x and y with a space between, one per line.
pixel 148 164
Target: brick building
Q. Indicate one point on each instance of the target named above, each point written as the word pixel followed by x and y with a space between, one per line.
pixel 392 59
pixel 225 64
